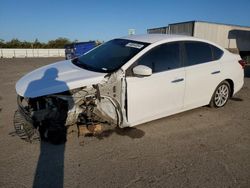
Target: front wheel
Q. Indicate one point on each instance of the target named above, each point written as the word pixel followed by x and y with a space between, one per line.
pixel 221 95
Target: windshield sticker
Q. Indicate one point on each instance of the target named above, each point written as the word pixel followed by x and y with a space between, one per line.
pixel 105 69
pixel 134 45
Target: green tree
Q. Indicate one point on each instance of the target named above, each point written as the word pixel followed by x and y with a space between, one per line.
pixel 14 43
pixel 37 44
pixel 58 43
pixel 25 44
pixel 2 43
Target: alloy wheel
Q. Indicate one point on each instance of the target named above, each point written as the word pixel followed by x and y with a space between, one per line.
pixel 221 95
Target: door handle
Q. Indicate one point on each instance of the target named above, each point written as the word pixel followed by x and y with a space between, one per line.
pixel 178 80
pixel 215 72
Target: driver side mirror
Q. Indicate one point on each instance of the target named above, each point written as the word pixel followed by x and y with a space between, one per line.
pixel 142 70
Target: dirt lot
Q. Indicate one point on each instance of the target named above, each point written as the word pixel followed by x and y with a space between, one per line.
pixel 200 148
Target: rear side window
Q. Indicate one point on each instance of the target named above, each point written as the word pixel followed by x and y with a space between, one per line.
pixel 197 53
pixel 217 53
pixel 162 58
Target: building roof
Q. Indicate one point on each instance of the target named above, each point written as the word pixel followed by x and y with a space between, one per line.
pixel 164 27
pixel 193 21
pixel 152 38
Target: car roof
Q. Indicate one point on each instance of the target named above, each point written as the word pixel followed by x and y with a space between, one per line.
pixel 152 38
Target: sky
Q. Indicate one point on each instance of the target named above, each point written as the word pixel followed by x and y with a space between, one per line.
pixel 85 20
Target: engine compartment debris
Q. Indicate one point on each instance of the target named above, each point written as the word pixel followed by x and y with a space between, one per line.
pixel 93 109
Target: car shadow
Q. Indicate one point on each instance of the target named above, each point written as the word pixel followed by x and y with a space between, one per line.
pixel 130 132
pixel 236 99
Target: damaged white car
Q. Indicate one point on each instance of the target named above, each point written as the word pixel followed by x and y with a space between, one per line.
pixel 126 82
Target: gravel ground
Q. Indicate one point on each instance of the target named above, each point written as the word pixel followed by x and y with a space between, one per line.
pixel 203 147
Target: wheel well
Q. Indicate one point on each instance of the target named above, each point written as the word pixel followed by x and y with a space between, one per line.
pixel 231 83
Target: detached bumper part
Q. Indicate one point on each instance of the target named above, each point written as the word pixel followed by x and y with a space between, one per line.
pixel 23 124
pixel 23 111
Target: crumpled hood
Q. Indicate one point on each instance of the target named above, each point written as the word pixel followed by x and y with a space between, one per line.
pixel 56 78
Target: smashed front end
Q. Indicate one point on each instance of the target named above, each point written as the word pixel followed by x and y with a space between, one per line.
pixel 92 109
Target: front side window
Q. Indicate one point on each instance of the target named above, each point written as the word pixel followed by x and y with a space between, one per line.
pixel 162 58
pixel 197 53
pixel 110 56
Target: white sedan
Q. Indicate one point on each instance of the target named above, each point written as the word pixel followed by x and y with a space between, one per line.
pixel 129 81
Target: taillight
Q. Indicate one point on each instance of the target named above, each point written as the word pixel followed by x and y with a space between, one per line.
pixel 242 63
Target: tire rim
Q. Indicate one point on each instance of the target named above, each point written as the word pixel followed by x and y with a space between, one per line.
pixel 221 95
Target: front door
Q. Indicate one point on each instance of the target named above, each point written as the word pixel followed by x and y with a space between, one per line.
pixel 160 94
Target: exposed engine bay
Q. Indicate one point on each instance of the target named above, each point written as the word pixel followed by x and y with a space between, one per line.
pixel 51 115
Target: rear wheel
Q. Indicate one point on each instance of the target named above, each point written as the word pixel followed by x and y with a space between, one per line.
pixel 221 95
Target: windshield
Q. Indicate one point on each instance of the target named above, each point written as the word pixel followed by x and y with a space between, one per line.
pixel 110 56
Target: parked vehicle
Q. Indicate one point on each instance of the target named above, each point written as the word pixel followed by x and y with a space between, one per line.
pixel 129 81
pixel 77 49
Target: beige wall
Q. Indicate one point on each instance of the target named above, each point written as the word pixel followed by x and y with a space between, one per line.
pixel 225 35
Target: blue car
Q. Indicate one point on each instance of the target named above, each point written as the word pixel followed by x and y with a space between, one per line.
pixel 77 49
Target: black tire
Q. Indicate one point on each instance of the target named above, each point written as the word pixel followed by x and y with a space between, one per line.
pixel 221 95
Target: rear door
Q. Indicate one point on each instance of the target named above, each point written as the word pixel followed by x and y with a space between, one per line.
pixel 203 73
